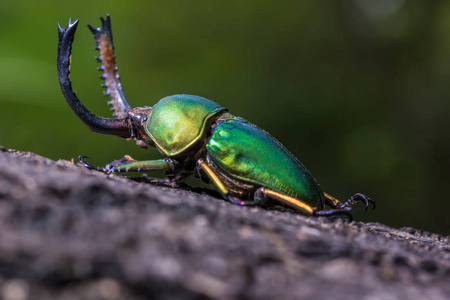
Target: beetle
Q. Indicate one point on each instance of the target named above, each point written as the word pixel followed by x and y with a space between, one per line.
pixel 198 137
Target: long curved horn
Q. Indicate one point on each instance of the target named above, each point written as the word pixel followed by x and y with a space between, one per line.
pixel 120 127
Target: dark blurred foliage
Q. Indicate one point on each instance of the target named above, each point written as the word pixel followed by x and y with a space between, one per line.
pixel 357 90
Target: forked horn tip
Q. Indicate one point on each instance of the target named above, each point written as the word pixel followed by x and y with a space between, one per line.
pixel 70 28
pixel 94 30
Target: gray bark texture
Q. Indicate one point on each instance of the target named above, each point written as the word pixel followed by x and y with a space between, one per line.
pixel 71 233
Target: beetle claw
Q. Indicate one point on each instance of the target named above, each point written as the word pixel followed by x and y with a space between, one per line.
pixel 363 198
pixel 88 165
pixel 356 198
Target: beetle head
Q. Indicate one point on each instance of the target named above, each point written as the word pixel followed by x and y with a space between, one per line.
pixel 138 117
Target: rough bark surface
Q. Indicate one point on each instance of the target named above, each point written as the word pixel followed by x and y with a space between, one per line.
pixel 71 233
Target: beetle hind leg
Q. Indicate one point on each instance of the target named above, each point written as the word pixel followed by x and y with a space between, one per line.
pixel 262 195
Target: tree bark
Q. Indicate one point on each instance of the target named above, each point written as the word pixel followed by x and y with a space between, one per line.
pixel 71 233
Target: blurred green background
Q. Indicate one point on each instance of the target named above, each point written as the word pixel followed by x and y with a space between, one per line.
pixel 357 90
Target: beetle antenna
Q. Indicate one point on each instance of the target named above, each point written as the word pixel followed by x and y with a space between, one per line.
pixel 104 44
pixel 120 127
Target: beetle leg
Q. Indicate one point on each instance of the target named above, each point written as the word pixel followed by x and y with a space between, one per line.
pixel 88 165
pixel 335 203
pixel 263 194
pixel 127 164
pixel 218 184
pixel 174 181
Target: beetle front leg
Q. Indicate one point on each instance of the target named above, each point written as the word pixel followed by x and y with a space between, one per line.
pixel 335 203
pixel 263 194
pixel 128 164
pixel 218 184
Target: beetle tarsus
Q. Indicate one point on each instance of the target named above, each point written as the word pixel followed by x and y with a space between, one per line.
pixel 362 198
pixel 110 168
pixel 334 212
pixel 238 201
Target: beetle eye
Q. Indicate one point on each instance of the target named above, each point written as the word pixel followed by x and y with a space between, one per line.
pixel 139 118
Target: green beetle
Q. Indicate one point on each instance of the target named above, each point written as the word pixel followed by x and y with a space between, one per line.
pixel 198 137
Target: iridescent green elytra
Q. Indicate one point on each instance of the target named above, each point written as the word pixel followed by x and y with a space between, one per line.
pixel 245 152
pixel 198 137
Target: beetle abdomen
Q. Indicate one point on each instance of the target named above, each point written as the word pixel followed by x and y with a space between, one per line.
pixel 250 154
